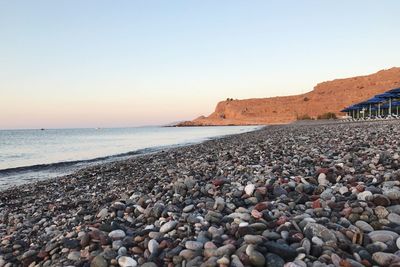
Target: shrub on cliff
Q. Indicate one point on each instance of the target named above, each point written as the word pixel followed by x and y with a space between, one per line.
pixel 327 116
pixel 304 117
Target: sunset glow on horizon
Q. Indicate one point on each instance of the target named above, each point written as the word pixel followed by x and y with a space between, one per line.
pixel 117 64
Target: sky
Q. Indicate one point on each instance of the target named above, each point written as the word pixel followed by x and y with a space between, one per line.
pixel 93 63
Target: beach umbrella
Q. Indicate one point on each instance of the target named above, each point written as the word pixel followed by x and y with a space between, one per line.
pixel 346 110
pixel 388 95
pixel 395 104
pixel 371 101
pixel 357 108
pixel 353 109
pixel 394 91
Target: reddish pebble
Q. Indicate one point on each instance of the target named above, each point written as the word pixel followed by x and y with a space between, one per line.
pixel 360 188
pixel 345 263
pixel 261 206
pixel 316 204
pixel 281 220
pixel 209 245
pixel 261 190
pixel 322 170
pixel 256 214
pixel 218 182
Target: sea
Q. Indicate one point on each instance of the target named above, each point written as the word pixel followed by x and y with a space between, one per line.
pixel 32 155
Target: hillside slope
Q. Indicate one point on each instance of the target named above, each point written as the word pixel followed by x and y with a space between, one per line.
pixel 330 96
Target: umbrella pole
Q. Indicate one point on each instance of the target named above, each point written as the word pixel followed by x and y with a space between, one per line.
pixel 397 108
pixel 370 111
pixel 379 110
pixel 390 107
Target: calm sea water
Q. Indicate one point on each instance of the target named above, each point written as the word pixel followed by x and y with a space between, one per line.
pixel 30 155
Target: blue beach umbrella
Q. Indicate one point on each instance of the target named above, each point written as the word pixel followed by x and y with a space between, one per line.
pixel 350 110
pixel 361 107
pixel 395 104
pixel 394 91
pixel 371 101
pixel 356 109
pixel 388 95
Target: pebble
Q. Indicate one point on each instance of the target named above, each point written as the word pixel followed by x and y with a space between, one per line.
pixel 322 179
pixel 152 245
pixel 364 226
pixel 318 230
pixel 249 189
pixel 127 262
pixel 364 195
pixel 255 257
pixel 193 245
pixel 188 208
pixel 102 213
pixel 169 226
pixel 383 236
pixel 253 239
pixel 285 251
pixel 117 234
pixel 273 260
pixel 74 255
pixel 98 261
pixel 394 218
pixel 236 262
pixel 385 259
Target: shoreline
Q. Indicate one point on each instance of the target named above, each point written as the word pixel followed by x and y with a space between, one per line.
pixel 250 198
pixel 130 156
pixel 62 168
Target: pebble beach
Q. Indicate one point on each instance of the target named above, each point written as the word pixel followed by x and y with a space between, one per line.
pixel 297 195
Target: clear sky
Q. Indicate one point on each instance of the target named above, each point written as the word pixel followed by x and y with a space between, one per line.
pixel 82 63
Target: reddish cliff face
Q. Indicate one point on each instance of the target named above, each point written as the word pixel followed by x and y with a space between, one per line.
pixel 331 96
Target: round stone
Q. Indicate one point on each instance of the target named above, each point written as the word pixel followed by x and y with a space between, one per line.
pixel 117 234
pixel 383 236
pixel 125 261
pixel 249 189
pixel 188 208
pixel 322 180
pixel 315 229
pixel 152 245
pixel 384 259
pixel 394 218
pixel 283 250
pixel 364 195
pixel 381 200
pixel 364 226
pixel 253 239
pixel 168 226
pixel 193 245
pixel 255 257
pixel 273 260
pixel 98 261
pixel 74 255
pixel 381 212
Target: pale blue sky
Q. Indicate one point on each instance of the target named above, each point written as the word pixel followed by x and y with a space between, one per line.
pixel 124 63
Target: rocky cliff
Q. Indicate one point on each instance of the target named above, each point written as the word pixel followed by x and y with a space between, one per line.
pixel 330 96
